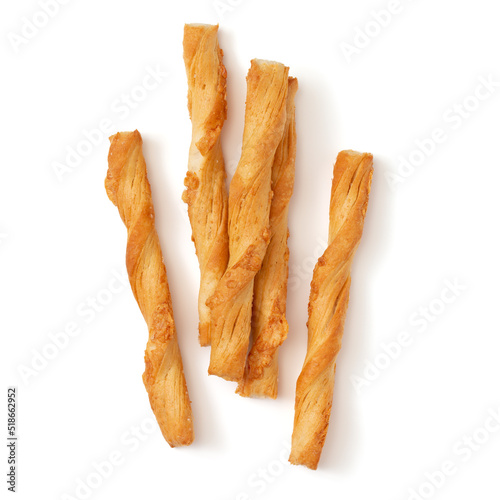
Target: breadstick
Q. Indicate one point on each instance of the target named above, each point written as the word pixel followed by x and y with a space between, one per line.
pixel 269 325
pixel 205 192
pixel 128 188
pixel 248 226
pixel 328 305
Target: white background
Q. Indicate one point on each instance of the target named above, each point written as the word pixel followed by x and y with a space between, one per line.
pixel 62 239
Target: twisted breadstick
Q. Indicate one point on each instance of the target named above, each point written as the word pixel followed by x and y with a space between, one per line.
pixel 249 203
pixel 205 192
pixel 128 188
pixel 269 325
pixel 328 305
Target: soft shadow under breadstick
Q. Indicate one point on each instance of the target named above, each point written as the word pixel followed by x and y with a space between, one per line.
pixel 128 188
pixel 328 305
pixel 205 192
pixel 248 226
pixel 269 325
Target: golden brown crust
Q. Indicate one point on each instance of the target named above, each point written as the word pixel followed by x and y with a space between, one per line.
pixel 328 305
pixel 249 204
pixel 205 183
pixel 269 325
pixel 128 188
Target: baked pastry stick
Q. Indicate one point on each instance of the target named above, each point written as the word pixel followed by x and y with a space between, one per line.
pixel 128 188
pixel 269 325
pixel 205 192
pixel 248 225
pixel 328 304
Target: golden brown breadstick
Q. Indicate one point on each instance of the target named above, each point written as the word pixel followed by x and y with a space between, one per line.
pixel 249 203
pixel 128 188
pixel 269 325
pixel 205 192
pixel 328 305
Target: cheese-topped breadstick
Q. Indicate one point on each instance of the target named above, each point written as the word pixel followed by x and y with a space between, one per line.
pixel 205 192
pixel 328 305
pixel 248 226
pixel 269 325
pixel 128 188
